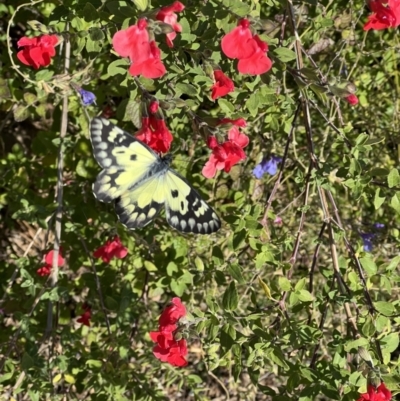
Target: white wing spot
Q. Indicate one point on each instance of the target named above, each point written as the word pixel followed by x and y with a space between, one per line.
pixel 174 220
pixel 192 223
pixel 183 224
pixel 102 146
pixel 205 225
pixel 199 227
pixel 102 154
pixel 211 223
pixel 151 212
pixel 107 162
pixel 142 217
pixel 96 137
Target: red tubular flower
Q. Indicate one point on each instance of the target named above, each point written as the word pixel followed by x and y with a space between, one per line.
pixel 152 67
pixel 385 14
pixel 352 99
pixel 111 249
pixel 223 85
pixel 167 15
pixel 239 122
pixel 37 51
pixel 134 43
pixel 48 260
pixel 239 43
pixel 226 155
pixel 258 63
pixel 155 134
pixel 168 349
pixel 381 393
pixel 86 315
pixel 153 108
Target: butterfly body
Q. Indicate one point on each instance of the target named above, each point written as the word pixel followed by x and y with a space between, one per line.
pixel 140 183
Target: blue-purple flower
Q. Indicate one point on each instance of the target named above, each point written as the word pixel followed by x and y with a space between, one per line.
pixel 367 241
pixel 269 166
pixel 87 97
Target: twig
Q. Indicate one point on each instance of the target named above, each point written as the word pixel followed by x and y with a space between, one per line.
pixel 59 192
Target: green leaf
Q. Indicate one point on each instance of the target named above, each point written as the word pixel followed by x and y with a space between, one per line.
pixel 378 201
pixel 284 54
pixel 393 178
pixel 226 106
pixel 118 67
pixel 386 308
pixel 231 299
pixel 21 113
pixel 305 296
pixel 236 272
pixel 368 265
pixel 390 342
pixel 141 4
pixel 395 202
pixel 187 89
pixel 27 362
pixel 96 34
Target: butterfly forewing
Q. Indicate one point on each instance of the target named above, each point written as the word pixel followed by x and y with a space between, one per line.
pixel 126 161
pixel 141 182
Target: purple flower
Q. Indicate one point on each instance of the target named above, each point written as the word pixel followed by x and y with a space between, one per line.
pixel 367 241
pixel 88 98
pixel 269 166
pixel 379 225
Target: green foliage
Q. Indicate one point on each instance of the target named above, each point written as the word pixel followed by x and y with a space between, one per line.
pixel 291 310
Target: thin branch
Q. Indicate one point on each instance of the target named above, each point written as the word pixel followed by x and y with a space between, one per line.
pixel 59 192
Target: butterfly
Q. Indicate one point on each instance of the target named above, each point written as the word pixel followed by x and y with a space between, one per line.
pixel 140 182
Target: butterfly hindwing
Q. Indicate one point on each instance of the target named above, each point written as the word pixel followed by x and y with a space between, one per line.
pixel 140 182
pixel 136 208
pixel 185 210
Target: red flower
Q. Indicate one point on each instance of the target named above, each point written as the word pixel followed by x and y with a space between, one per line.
pixel 37 51
pixel 239 43
pixel 381 393
pixel 223 85
pixel 351 99
pixel 153 108
pixel 383 16
pixel 172 314
pixel 239 122
pixel 152 67
pixel 48 260
pixel 86 316
pixel 155 134
pixel 168 349
pixel 226 155
pixel 44 271
pixel 258 63
pixel 133 42
pixel 167 15
pixel 144 55
pixel 111 249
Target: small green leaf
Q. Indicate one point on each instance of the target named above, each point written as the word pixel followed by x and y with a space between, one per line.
pixel 368 265
pixel 284 54
pixel 395 202
pixel 231 299
pixel 96 34
pixel 236 272
pixel 27 362
pixel 378 201
pixel 386 308
pixel 141 4
pixel 393 178
pixel 21 113
pixel 118 67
